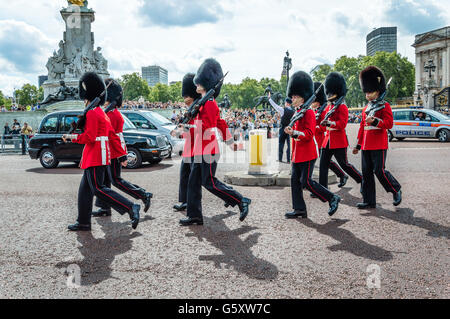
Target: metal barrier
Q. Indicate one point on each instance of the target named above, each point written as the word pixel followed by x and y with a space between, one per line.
pixel 14 143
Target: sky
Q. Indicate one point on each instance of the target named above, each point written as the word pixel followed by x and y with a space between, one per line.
pixel 248 37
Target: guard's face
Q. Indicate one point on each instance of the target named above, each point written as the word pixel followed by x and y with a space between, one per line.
pixel 297 100
pixel 188 100
pixel 315 105
pixel 200 89
pixel 370 96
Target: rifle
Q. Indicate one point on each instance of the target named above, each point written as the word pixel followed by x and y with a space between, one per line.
pixel 195 107
pixel 379 103
pixel 81 123
pixel 305 107
pixel 320 110
pixel 334 109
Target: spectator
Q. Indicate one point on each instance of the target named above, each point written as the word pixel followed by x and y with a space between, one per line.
pixel 26 129
pixel 7 129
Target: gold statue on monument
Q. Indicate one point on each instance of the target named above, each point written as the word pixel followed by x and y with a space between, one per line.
pixel 80 3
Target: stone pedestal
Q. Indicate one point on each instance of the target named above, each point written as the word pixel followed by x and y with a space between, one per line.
pixel 65 106
pixel 282 178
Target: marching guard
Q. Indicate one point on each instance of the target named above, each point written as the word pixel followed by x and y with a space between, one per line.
pixel 96 158
pixel 377 119
pixel 319 108
pixel 119 152
pixel 190 95
pixel 206 150
pixel 305 150
pixel 335 121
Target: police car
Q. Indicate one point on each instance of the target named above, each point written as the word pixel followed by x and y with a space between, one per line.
pixel 420 123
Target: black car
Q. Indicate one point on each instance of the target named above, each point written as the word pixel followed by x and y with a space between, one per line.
pixel 50 149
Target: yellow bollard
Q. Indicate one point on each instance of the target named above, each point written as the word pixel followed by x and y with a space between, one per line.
pixel 258 152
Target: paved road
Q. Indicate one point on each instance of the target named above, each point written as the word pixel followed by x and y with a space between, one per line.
pixel 264 257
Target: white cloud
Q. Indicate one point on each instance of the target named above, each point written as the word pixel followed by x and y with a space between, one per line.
pixel 249 41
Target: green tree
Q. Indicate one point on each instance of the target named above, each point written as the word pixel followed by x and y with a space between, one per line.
pixel 321 73
pixel 134 86
pixel 175 92
pixel 2 99
pixel 350 68
pixel 27 95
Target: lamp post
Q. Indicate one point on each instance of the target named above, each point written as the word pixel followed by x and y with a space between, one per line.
pixel 429 67
pixel 287 65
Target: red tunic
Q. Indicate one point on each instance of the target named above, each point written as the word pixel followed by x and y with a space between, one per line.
pixel 188 150
pixel 320 130
pixel 95 137
pixel 116 140
pixel 376 138
pixel 205 139
pixel 336 133
pixel 305 148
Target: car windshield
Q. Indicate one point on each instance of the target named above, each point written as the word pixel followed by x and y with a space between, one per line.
pixel 158 119
pixel 439 115
pixel 127 125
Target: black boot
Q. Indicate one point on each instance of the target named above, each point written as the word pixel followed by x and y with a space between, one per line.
pixel 101 213
pixel 191 221
pixel 343 181
pixel 244 208
pixel 79 227
pixel 366 206
pixel 398 198
pixel 134 215
pixel 147 201
pixel 180 207
pixel 334 204
pixel 296 214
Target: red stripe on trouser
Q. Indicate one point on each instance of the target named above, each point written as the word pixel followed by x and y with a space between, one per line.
pixel 312 189
pixel 212 180
pixel 385 175
pixel 98 189
pixel 351 166
pixel 118 182
pixel 336 166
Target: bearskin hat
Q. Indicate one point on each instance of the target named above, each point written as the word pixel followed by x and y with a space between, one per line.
pixel 208 75
pixel 372 79
pixel 91 85
pixel 115 92
pixel 188 87
pixel 335 85
pixel 320 97
pixel 301 84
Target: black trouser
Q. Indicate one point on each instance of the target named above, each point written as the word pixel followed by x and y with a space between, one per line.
pixel 374 162
pixel 93 184
pixel 284 138
pixel 341 156
pixel 113 176
pixel 185 171
pixel 336 169
pixel 302 178
pixel 203 173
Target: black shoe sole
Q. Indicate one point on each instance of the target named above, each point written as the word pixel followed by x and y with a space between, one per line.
pixel 191 224
pixel 101 215
pixel 296 217
pixel 366 207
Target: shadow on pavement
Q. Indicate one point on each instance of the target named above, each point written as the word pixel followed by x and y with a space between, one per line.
pixel 236 253
pixel 99 253
pixel 406 216
pixel 348 241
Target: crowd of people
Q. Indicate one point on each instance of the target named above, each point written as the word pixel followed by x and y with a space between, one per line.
pixel 133 105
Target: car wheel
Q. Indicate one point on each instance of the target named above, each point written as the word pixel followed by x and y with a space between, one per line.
pixel 170 152
pixel 443 135
pixel 390 136
pixel 134 158
pixel 48 159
